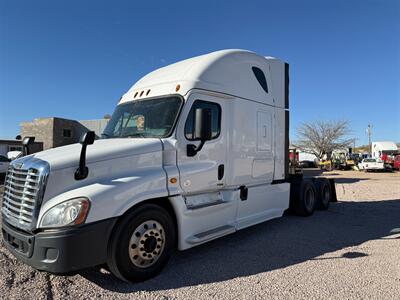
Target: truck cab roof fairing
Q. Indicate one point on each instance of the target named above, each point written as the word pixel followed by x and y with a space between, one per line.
pixel 225 71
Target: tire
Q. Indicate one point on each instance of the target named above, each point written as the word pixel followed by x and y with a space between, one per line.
pixel 304 198
pixel 141 244
pixel 324 193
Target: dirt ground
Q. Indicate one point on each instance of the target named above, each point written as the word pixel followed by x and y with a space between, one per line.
pixel 350 251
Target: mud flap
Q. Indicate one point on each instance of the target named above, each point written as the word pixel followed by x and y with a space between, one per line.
pixel 333 189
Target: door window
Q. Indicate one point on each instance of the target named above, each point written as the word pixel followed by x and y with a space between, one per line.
pixel 215 118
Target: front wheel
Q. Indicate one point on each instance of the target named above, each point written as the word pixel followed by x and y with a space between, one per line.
pixel 141 243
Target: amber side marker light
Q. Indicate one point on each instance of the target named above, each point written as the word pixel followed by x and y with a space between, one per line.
pixel 173 180
pixel 177 87
pixel 82 214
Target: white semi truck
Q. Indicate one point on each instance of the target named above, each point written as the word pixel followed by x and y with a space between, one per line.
pixel 385 151
pixel 194 151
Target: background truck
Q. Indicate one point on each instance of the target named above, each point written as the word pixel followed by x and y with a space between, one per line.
pixel 386 152
pixel 396 162
pixel 194 151
pixel 342 159
pixel 371 164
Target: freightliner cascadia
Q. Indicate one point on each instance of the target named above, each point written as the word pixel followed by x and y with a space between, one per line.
pixel 193 151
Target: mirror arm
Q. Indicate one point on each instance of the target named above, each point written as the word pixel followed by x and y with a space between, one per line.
pixel 193 149
pixel 86 139
pixel 83 171
pixel 200 146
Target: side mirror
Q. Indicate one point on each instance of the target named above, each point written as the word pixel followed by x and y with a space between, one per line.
pixel 202 130
pixel 26 142
pixel 88 138
pixel 202 124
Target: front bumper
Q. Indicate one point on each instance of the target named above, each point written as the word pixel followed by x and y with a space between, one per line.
pixel 63 250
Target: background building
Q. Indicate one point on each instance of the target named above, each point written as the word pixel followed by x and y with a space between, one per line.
pixel 7 145
pixel 55 132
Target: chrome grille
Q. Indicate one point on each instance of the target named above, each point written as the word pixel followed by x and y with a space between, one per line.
pixel 23 191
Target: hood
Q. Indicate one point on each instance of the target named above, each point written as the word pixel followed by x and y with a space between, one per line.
pixel 107 149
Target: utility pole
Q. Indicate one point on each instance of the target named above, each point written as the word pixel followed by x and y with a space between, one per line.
pixel 369 132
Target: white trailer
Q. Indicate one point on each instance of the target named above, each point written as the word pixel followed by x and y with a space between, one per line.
pixel 382 148
pixel 194 151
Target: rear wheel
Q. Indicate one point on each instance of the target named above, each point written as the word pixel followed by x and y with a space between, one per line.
pixel 141 244
pixel 323 192
pixel 303 198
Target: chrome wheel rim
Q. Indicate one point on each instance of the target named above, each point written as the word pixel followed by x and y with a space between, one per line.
pixel 147 244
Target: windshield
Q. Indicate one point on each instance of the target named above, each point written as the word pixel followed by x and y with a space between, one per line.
pixel 144 118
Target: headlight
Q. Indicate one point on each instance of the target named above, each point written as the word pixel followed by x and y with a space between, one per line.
pixel 71 212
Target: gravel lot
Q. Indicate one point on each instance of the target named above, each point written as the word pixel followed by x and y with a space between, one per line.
pixel 349 251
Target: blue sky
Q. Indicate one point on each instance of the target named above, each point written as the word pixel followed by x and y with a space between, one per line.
pixel 74 59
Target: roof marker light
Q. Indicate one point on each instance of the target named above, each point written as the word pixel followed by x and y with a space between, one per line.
pixel 141 93
pixel 148 92
pixel 135 95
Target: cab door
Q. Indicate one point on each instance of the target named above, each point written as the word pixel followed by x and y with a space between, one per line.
pixel 204 172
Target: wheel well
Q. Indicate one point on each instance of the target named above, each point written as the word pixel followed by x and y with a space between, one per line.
pixel 162 202
pixel 166 204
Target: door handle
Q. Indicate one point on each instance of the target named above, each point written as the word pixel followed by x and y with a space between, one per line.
pixel 221 172
pixel 244 191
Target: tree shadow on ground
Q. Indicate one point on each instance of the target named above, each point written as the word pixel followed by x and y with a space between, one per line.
pixel 269 246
